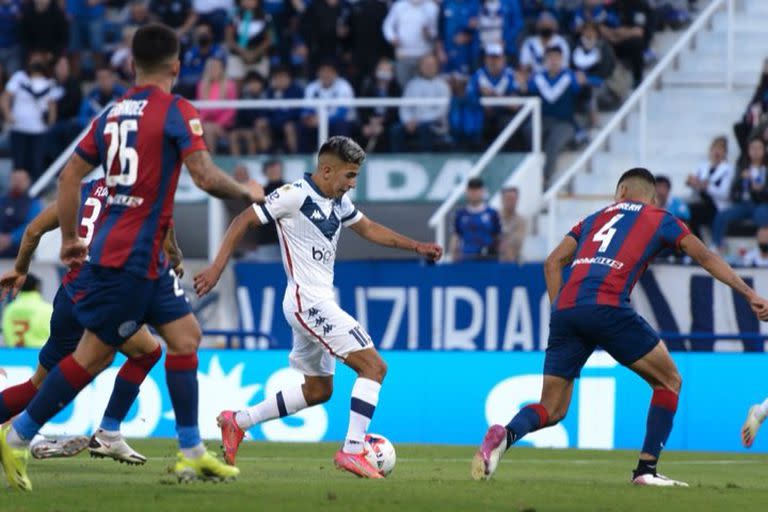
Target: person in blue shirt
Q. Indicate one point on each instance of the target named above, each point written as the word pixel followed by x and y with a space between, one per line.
pixel 458 43
pixel 558 88
pixel 477 227
pixel 501 21
pixel 594 11
pixel 194 59
pixel 106 91
pixel 10 50
pixel 86 26
pixel 283 121
pixel 673 205
pixel 17 210
pixel 494 80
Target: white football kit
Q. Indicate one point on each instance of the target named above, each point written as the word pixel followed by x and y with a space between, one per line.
pixel 308 227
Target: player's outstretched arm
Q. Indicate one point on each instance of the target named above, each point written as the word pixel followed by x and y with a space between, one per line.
pixel 723 272
pixel 206 279
pixel 209 177
pixel 73 250
pixel 554 264
pixel 13 280
pixel 382 235
pixel 172 249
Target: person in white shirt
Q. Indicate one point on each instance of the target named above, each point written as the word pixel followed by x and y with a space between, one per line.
pixel 309 214
pixel 29 105
pixel 329 85
pixel 534 47
pixel 711 185
pixel 411 27
pixel 758 257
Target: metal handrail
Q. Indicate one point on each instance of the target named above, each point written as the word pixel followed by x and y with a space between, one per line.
pixel 639 98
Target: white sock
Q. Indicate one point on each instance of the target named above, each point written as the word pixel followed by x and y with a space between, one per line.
pixel 284 403
pixel 763 409
pixel 15 440
pixel 365 398
pixel 195 452
pixel 109 435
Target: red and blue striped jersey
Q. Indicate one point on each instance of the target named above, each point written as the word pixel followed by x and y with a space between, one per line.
pixel 140 142
pixel 93 198
pixel 614 248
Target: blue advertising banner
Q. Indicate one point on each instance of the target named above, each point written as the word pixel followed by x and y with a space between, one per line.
pixel 441 397
pixel 495 307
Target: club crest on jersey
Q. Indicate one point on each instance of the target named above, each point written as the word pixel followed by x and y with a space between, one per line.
pixel 196 127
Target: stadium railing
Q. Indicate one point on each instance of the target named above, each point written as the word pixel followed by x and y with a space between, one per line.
pixel 639 100
pixel 216 211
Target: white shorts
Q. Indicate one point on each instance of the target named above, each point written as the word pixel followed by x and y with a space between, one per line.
pixel 322 333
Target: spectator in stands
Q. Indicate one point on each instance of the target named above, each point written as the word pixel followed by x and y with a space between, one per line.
pixel 177 14
pixel 17 210
pixel 631 38
pixel 558 88
pixel 465 118
pixel 711 185
pixel 366 40
pixel 106 90
pixel 411 27
pixel 500 22
pixel 534 47
pixel 477 227
pixel 458 46
pixel 494 80
pixel 376 122
pixel 749 195
pixel 324 31
pixel 424 125
pixel 29 107
pixel 44 27
pixel 26 320
pixel 10 18
pixel 756 112
pixel 758 257
pixel 69 97
pixel 284 121
pixel 136 14
pixel 266 236
pixel 251 124
pixel 594 57
pixel 87 27
pixel 248 40
pixel 214 13
pixel 513 227
pixel 673 205
pixel 216 86
pixel 121 58
pixel 592 11
pixel 194 59
pixel 328 85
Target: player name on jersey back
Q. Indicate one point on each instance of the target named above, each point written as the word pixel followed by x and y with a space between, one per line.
pixel 128 108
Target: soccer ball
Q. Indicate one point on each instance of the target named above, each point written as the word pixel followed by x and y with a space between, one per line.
pixel 381 453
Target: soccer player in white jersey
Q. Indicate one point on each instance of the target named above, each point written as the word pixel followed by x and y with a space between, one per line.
pixel 309 214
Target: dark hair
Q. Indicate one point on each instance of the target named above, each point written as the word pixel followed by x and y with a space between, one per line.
pixel 346 149
pixel 282 68
pixel 475 183
pixel 153 45
pixel 254 76
pixel 553 49
pixel 31 284
pixel 664 180
pixel 637 172
pixel 271 163
pixel 590 24
pixel 720 140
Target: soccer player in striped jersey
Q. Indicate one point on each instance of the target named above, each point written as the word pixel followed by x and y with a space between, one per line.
pixel 66 333
pixel 590 277
pixel 140 142
pixel 309 214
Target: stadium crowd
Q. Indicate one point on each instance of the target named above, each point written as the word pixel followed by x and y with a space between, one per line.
pixel 62 61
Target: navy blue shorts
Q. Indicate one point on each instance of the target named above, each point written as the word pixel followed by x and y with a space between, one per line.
pixel 574 333
pixel 66 332
pixel 114 304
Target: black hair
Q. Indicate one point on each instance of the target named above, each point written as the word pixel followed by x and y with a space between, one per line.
pixel 153 45
pixel 254 75
pixel 639 173
pixel 346 149
pixel 664 180
pixel 475 183
pixel 31 284
pixel 553 49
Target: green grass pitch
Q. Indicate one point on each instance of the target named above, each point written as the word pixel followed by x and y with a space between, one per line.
pixel 301 477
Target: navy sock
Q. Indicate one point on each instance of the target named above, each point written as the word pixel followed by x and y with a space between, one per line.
pixel 60 387
pixel 529 419
pixel 660 418
pixel 127 384
pixel 181 377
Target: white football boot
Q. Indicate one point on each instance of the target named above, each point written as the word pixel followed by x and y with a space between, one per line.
pixel 105 446
pixel 657 480
pixel 752 424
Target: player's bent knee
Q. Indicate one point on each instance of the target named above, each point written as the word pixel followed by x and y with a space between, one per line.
pixel 318 391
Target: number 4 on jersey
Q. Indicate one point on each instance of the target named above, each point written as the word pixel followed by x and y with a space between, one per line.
pixel 605 235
